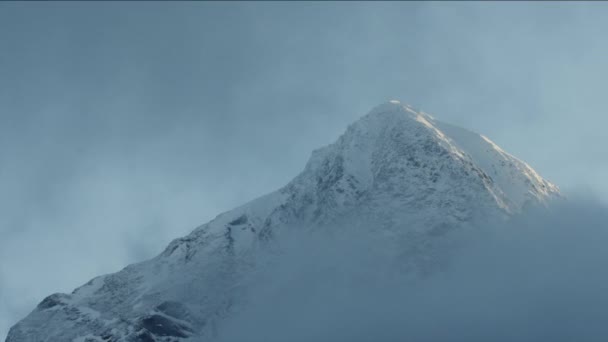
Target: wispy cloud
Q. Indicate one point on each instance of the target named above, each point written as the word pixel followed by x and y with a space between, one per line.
pixel 123 125
pixel 539 277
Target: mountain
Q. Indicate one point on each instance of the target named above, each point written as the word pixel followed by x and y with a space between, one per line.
pixel 395 171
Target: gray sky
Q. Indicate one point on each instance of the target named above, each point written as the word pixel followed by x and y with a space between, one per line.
pixel 124 125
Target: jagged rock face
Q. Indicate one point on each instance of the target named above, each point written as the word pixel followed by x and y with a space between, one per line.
pixel 395 170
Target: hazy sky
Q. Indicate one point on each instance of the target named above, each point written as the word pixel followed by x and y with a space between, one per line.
pixel 124 125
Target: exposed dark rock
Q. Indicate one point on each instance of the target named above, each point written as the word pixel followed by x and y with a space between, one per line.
pixel 52 301
pixel 163 326
pixel 145 337
pixel 240 220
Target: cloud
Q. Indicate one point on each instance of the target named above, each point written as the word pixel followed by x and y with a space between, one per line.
pixel 540 277
pixel 121 129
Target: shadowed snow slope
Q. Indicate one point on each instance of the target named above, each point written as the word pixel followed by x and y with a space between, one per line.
pixel 395 172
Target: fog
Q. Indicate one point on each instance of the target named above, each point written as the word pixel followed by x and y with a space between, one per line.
pixel 125 125
pixel 540 277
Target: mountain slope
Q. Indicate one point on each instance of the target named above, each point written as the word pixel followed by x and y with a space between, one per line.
pixel 396 171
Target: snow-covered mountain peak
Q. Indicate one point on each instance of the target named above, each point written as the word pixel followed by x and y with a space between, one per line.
pixel 390 112
pixel 364 136
pixel 398 152
pixel 396 171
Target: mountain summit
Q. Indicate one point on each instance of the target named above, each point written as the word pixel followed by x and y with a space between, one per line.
pixel 396 170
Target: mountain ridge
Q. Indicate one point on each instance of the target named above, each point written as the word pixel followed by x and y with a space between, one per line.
pixel 395 170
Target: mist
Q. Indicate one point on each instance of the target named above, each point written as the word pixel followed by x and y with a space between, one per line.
pixel 124 125
pixel 539 277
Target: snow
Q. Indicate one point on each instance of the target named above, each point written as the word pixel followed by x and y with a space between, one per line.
pixel 88 338
pixel 514 177
pixel 396 171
